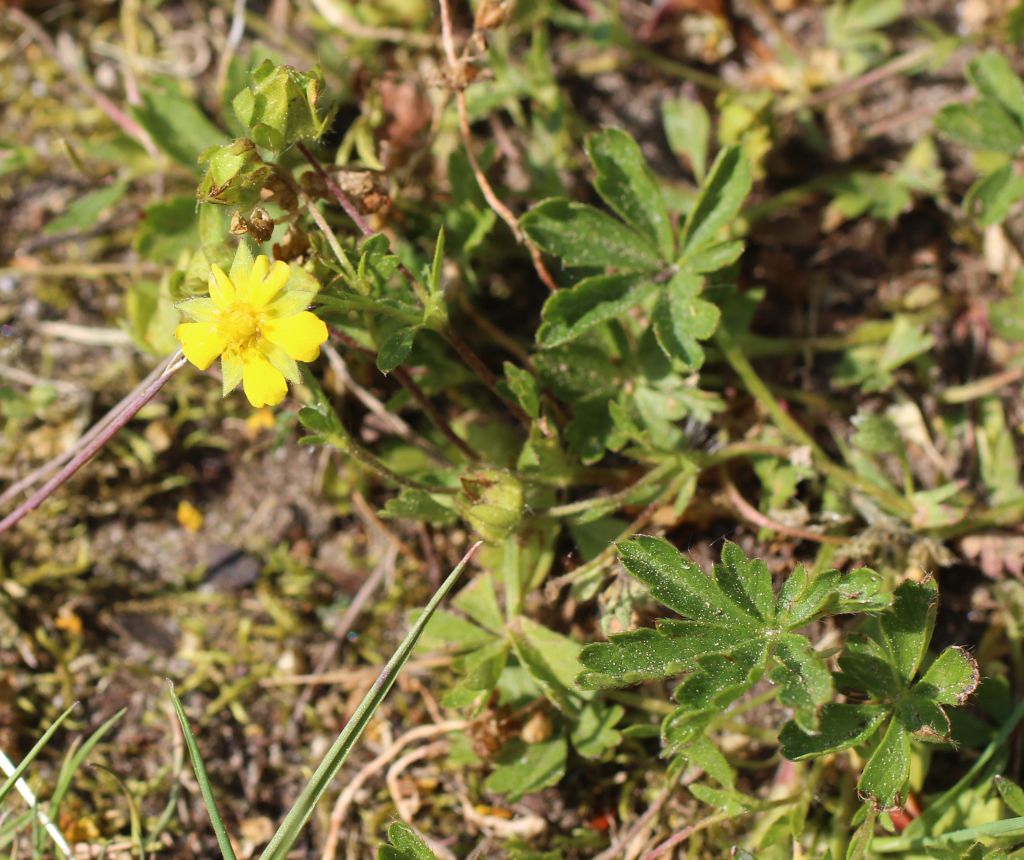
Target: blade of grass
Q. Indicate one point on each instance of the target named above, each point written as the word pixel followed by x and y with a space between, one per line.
pixel 15 775
pixel 300 812
pixel 223 842
pixel 1007 828
pixel 73 761
pixel 37 816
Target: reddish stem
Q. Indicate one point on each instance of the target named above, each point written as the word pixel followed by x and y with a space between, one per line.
pixel 127 411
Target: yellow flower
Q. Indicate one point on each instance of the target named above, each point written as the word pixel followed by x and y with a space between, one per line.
pixel 257 327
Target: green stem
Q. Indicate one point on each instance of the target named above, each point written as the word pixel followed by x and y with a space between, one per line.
pixel 348 445
pixel 615 499
pixel 757 389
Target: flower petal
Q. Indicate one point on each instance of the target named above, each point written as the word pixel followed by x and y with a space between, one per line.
pixel 262 382
pixel 277 356
pixel 201 342
pixel 265 290
pixel 260 267
pixel 222 288
pixel 200 310
pixel 289 302
pixel 300 334
pixel 231 371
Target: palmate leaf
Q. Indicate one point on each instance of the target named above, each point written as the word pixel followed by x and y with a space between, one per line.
pixel 682 318
pixel 734 630
pixel 628 186
pixel 405 845
pixel 680 584
pixel 840 726
pixel 584 236
pixel 882 661
pixel 721 197
pixel 645 654
pixel 570 313
pixel 886 773
pixel 719 680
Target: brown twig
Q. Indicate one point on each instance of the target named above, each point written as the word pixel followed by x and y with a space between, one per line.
pixel 337 192
pixel 618 847
pixel 345 799
pixel 139 398
pixel 685 834
pixel 753 515
pixel 455 65
pixel 433 413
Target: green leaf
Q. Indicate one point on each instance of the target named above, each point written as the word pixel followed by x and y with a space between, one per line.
pixel 804 598
pixel 451 632
pixel 861 16
pixel 584 236
pixel 747 582
pixel 804 678
pixel 419 505
pixel 995 79
pixel 523 386
pixel 984 125
pixel 720 679
pixel 11 781
pixel 526 768
pixel 570 313
pixel 628 186
pixel 951 678
pixel 551 659
pixel 906 628
pixel 681 319
pixel 1011 793
pixel 732 803
pixel 223 840
pixel 405 845
pixel 840 726
pixel 924 719
pixel 288 833
pixel 645 654
pixel 166 229
pixel 678 583
pixel 865 665
pixel 876 434
pixel 704 754
pixel 479 671
pixel 716 257
pixel 886 773
pixel 594 733
pixel 480 602
pixel 721 197
pixel 86 210
pixel 991 198
pixel 176 123
pixel 395 349
pixel 688 129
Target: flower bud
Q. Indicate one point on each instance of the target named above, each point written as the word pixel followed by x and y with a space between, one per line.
pixel 280 106
pixel 234 173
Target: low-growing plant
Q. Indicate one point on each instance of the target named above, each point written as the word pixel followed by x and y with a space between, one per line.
pixel 604 405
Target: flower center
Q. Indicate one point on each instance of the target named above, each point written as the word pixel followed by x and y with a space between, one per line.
pixel 239 325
